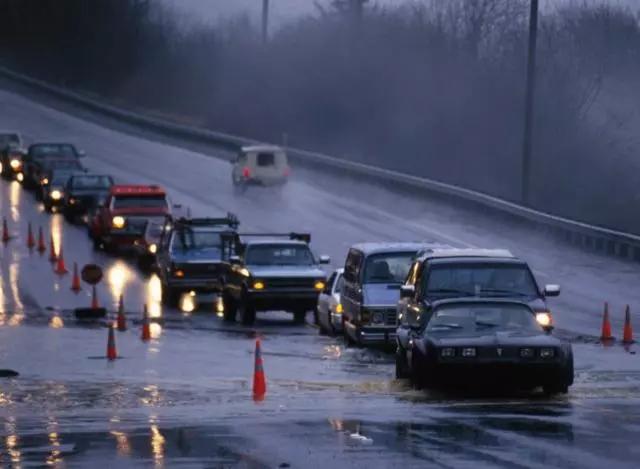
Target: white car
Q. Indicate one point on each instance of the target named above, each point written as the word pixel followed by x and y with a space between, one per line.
pixel 329 309
pixel 261 165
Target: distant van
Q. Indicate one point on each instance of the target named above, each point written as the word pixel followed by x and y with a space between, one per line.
pixel 262 165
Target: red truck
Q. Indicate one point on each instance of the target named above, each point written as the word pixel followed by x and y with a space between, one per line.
pixel 121 222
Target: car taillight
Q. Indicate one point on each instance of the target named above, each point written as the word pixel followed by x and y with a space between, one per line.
pixel 246 172
pixel 287 171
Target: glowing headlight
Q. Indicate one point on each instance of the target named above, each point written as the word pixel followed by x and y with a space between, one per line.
pixel 153 248
pixel 319 285
pixel 339 308
pixel 448 352
pixel 258 285
pixel 44 181
pixel 15 164
pixel 118 222
pixel 20 177
pixel 547 353
pixel 72 201
pixel 178 273
pixel 544 319
pixel 56 194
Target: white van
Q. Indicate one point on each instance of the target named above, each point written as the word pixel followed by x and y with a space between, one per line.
pixel 263 165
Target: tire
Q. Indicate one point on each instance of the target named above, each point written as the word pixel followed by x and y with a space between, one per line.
pixel 247 311
pixel 402 367
pixel 348 341
pixel 230 308
pixel 299 317
pixel 416 374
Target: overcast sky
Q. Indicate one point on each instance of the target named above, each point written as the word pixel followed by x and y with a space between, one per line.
pixel 282 10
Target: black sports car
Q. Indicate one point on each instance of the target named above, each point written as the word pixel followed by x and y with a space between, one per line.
pixel 481 342
pixel 84 193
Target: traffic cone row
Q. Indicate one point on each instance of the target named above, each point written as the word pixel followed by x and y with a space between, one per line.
pixel 627 332
pixel 259 381
pixel 61 269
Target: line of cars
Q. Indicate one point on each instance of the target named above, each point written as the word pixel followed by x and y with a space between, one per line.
pixel 452 314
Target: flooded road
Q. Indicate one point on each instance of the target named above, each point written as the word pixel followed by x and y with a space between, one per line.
pixel 184 399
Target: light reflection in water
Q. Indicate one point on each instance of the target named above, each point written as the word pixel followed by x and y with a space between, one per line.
pixel 14 276
pixel 154 296
pixel 155 329
pixel 56 226
pixel 56 322
pixel 188 303
pixel 118 276
pixel 55 456
pixel 123 447
pixel 15 192
pixel 12 442
pixel 157 442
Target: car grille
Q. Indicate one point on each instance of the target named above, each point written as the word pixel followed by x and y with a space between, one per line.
pixel 212 270
pixel 492 352
pixel 390 316
pixel 304 282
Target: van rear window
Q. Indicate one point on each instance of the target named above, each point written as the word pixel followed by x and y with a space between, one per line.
pixel 266 159
pixel 140 201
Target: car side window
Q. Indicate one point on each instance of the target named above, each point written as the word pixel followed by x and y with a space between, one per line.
pixel 352 266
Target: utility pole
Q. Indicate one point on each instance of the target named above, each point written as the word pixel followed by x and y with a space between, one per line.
pixel 265 21
pixel 529 104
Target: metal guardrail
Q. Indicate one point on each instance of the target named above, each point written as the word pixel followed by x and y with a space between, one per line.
pixel 606 241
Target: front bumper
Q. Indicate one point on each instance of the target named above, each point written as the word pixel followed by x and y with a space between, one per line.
pixel 371 335
pixel 284 299
pixel 336 321
pixel 199 285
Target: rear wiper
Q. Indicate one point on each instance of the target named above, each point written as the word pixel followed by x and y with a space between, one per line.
pixel 486 324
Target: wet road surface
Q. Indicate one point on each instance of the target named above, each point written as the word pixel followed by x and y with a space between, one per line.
pixel 184 399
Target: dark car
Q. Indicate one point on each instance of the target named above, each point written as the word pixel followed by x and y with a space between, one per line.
pixel 38 154
pixel 273 272
pixel 479 343
pixel 52 192
pixel 84 193
pixel 373 275
pixel 487 273
pixel 11 155
pixel 193 255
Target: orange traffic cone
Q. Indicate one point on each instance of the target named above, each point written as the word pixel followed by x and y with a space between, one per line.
pixel 94 298
pixel 146 327
pixel 5 231
pixel 627 334
pixel 52 250
pixel 61 269
pixel 41 246
pixel 606 325
pixel 75 283
pixel 112 353
pixel 122 320
pixel 259 382
pixel 31 242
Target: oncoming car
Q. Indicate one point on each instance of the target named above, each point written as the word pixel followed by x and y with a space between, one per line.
pixel 53 192
pixel 11 155
pixel 34 161
pixel 84 193
pixel 261 165
pixel 477 343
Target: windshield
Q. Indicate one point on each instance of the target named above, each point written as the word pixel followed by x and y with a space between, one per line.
pixel 91 182
pixel 475 317
pixel 279 254
pixel 147 201
pixel 53 150
pixel 388 268
pixel 189 239
pixel 9 140
pixel 480 279
pixel 63 164
pixel 60 179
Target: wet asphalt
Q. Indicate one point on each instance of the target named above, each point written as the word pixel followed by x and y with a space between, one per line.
pixel 184 399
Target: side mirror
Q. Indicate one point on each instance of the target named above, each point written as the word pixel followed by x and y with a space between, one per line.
pixel 407 291
pixel 325 260
pixel 82 153
pixel 235 260
pixel 552 290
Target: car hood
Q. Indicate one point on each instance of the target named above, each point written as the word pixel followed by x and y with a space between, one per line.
pixel 196 256
pixel 381 294
pixel 491 339
pixel 292 271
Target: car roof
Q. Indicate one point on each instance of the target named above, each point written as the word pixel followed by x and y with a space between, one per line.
pixel 380 248
pixel 264 148
pixel 468 253
pixel 280 241
pixel 132 189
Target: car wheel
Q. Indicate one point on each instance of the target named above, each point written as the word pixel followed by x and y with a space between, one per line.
pixel 402 367
pixel 416 374
pixel 247 311
pixel 230 308
pixel 348 341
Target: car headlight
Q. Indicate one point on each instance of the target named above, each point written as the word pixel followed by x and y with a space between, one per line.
pixel 258 285
pixel 377 317
pixel 339 308
pixel 44 181
pixel 544 318
pixel 72 201
pixel 118 222
pixel 15 164
pixel 448 352
pixel 319 285
pixel 469 352
pixel 547 353
pixel 56 194
pixel 527 353
pixel 153 248
pixel 178 273
pixel 20 177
